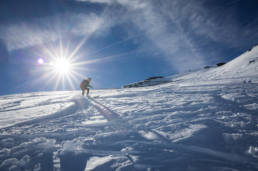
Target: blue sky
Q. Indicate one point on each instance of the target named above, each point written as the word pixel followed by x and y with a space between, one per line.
pixel 117 42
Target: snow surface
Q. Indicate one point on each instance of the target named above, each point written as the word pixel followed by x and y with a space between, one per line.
pixel 204 120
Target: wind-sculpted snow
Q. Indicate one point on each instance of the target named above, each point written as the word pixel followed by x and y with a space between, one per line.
pixel 182 125
pixel 19 108
pixel 164 127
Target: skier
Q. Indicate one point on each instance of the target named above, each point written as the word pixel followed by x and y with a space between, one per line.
pixel 85 84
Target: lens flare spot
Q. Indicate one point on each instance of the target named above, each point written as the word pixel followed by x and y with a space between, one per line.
pixel 41 61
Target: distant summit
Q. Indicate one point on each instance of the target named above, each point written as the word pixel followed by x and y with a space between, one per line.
pixel 149 82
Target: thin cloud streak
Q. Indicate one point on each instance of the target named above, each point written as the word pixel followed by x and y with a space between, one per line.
pixel 177 29
pixel 174 44
pixel 50 29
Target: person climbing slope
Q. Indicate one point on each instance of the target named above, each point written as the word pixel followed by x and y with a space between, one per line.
pixel 85 85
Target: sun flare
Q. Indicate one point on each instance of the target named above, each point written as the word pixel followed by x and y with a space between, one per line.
pixel 61 66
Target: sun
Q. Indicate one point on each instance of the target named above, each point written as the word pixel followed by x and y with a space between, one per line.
pixel 61 66
pixel 62 71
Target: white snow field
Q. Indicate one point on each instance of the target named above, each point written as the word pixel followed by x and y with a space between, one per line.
pixel 204 120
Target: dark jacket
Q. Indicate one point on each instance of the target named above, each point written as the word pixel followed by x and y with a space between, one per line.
pixel 85 84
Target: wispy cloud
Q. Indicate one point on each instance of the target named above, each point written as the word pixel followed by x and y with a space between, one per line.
pixel 178 29
pixel 25 34
pixel 217 23
pixel 48 29
pixel 166 33
pixel 182 29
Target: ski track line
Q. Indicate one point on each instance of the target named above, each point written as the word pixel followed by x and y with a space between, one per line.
pixel 107 113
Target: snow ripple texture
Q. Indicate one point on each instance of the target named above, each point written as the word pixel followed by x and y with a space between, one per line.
pixel 205 120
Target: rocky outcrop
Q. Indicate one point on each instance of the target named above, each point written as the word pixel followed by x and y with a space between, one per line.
pixel 148 82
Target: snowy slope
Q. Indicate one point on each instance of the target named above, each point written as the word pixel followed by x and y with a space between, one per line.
pixel 242 68
pixel 205 120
